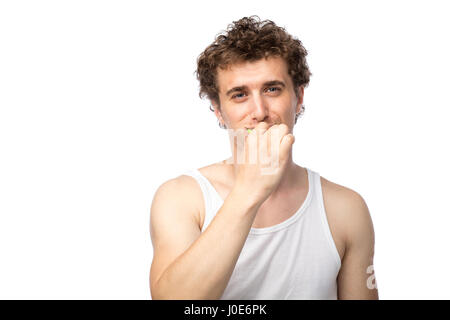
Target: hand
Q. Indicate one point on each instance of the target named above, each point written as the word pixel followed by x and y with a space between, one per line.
pixel 260 159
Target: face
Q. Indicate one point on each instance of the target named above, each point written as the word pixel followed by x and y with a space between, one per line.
pixel 252 92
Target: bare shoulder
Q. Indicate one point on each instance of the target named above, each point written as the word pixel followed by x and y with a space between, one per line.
pixel 347 213
pixel 184 191
pixel 339 194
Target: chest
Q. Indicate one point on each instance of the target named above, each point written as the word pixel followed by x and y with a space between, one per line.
pixel 275 211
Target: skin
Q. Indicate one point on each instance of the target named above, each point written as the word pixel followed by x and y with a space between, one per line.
pixel 176 226
pixel 347 212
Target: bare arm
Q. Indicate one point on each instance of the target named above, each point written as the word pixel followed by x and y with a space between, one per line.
pixel 356 278
pixel 188 264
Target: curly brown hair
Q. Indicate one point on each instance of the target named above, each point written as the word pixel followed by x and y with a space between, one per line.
pixel 250 39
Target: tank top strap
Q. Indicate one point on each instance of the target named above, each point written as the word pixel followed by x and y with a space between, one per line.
pixel 210 197
pixel 322 215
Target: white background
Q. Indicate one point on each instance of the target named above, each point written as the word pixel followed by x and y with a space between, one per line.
pixel 99 106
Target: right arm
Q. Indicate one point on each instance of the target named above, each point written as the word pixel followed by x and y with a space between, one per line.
pixel 188 264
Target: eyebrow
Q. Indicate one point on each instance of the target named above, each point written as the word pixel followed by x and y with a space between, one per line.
pixel 266 84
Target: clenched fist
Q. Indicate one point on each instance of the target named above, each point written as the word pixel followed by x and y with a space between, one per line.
pixel 260 157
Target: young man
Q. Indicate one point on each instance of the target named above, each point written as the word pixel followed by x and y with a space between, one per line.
pixel 231 230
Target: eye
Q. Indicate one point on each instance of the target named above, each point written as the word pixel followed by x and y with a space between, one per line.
pixel 236 95
pixel 276 89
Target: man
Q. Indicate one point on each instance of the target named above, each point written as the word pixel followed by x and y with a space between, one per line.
pixel 231 230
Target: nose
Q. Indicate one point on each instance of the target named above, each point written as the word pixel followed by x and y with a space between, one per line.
pixel 259 109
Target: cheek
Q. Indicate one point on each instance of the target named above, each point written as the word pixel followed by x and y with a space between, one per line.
pixel 284 114
pixel 284 109
pixel 234 115
pixel 238 114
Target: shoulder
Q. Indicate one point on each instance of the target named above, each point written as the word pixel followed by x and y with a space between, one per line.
pixel 181 192
pixel 176 186
pixel 340 195
pixel 348 212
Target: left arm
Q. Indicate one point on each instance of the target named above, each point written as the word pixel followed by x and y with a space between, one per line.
pixel 356 279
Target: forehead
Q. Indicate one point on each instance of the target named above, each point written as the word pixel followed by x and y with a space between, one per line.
pixel 252 74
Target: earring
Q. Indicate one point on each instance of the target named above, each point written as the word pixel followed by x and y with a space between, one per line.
pixel 221 125
pixel 302 110
pixel 299 114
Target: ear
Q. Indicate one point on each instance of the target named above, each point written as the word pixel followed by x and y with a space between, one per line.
pixel 300 91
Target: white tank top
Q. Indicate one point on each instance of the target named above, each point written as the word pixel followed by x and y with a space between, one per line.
pixel 295 259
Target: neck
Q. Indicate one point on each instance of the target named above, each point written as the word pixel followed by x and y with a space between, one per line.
pixel 288 180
